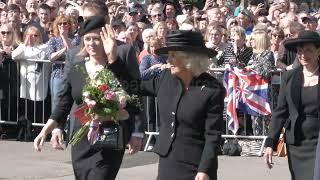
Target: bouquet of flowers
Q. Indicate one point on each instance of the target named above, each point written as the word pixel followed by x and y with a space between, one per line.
pixel 104 100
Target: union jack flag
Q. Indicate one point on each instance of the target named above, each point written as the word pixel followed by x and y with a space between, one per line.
pixel 246 91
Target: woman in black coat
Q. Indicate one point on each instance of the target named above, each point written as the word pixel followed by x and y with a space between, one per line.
pixel 190 104
pixel 89 163
pixel 298 108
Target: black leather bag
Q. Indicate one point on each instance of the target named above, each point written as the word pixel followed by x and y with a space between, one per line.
pixel 111 136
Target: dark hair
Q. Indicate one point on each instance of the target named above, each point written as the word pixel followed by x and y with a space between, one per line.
pixel 100 7
pixel 256 2
pixel 44 6
pixel 13 7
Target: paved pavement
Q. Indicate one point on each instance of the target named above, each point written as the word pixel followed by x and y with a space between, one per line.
pixel 18 161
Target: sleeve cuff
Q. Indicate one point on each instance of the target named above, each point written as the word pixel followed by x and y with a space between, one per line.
pixel 139 135
pixel 56 130
pixel 270 143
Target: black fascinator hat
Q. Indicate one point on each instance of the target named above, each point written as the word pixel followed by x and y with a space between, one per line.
pixel 92 23
pixel 185 40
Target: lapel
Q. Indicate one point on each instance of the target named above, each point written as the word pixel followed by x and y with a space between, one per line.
pixel 177 88
pixel 78 78
pixel 296 85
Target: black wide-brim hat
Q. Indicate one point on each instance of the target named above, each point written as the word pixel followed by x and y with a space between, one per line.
pixel 182 40
pixel 305 36
pixel 91 23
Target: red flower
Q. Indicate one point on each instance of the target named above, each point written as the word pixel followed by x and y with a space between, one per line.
pixel 104 87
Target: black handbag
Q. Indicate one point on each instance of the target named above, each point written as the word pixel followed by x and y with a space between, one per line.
pixel 111 136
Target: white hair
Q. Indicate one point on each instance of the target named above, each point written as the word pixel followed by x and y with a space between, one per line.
pixel 70 9
pixel 187 27
pixel 148 32
pixel 197 63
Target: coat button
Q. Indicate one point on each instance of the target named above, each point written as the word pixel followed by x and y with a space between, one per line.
pixel 172 124
pixel 173 113
pixel 172 135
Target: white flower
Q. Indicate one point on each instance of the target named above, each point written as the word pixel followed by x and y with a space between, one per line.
pixel 87 100
pixel 99 82
pixel 85 94
pixel 122 101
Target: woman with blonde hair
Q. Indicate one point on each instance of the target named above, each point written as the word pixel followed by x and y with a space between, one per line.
pixel 261 62
pixel 8 69
pixel 58 45
pixel 9 39
pixel 34 76
pixel 262 59
pixel 161 31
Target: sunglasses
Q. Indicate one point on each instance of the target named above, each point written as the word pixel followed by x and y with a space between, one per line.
pixel 234 23
pixel 33 35
pixel 5 32
pixel 278 36
pixel 63 23
pixel 157 15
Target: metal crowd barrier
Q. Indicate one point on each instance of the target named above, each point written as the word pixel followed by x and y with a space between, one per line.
pixel 22 91
pixel 18 76
pixel 218 73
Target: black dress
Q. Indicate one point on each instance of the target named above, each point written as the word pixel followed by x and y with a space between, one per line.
pixel 301 155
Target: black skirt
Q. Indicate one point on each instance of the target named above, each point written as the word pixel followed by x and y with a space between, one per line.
pixel 302 160
pixel 94 164
pixel 171 169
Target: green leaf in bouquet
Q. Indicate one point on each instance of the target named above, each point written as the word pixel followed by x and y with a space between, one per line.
pixel 81 133
pixel 107 110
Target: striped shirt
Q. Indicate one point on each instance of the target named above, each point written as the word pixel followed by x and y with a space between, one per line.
pixel 241 58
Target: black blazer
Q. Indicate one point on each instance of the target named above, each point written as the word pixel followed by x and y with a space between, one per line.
pixel 286 114
pixel 190 121
pixel 74 79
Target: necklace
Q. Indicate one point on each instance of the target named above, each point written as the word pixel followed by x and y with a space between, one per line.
pixel 313 72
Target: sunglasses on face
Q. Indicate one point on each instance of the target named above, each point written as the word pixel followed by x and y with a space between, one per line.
pixel 5 32
pixel 157 15
pixel 278 36
pixel 234 23
pixel 63 23
pixel 33 35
